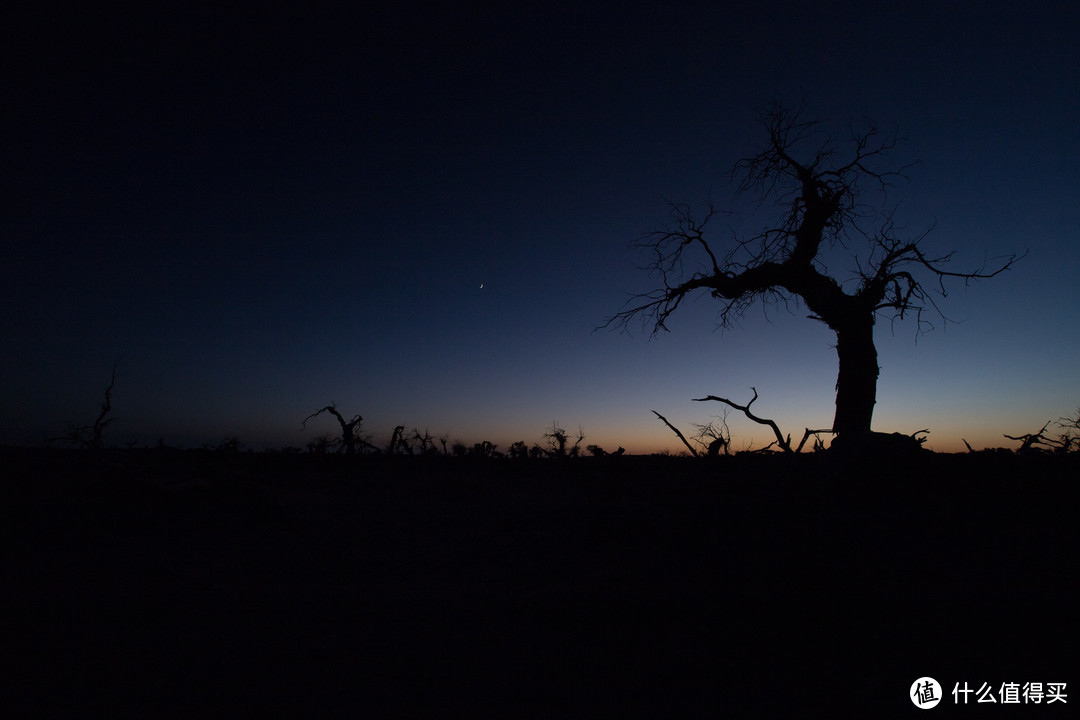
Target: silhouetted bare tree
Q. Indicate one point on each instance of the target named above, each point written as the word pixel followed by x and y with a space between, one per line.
pixel 92 436
pixel 426 442
pixel 821 188
pixel 1031 441
pixel 103 419
pixel 399 442
pixel 1066 442
pixel 1070 435
pixel 558 439
pixel 714 436
pixel 351 438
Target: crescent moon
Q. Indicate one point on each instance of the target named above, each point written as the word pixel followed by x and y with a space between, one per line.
pixel 481 286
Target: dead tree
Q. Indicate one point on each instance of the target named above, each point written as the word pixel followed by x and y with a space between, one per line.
pixel 1031 441
pixel 103 419
pixel 714 436
pixel 350 431
pixel 1070 432
pixel 427 442
pixel 1064 443
pixel 92 436
pixel 826 193
pixel 558 439
pixel 398 442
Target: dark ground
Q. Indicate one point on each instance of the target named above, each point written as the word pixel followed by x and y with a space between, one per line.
pixel 203 584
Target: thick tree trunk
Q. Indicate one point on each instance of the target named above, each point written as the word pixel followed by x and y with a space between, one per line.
pixel 856 382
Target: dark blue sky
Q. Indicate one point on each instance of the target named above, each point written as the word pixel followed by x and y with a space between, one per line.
pixel 262 213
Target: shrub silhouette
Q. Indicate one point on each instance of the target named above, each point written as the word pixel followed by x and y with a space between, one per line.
pixel 485 449
pixel 323 444
pixel 229 444
pixel 518 450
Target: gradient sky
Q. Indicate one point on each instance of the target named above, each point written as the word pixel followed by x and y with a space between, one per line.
pixel 261 214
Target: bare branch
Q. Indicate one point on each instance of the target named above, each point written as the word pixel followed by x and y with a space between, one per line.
pixel 676 431
pixel 815 433
pixel 785 445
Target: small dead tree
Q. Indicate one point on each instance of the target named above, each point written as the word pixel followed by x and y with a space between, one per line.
pixel 399 444
pixel 103 419
pixel 92 436
pixel 1063 443
pixel 558 439
pixel 426 442
pixel 714 436
pixel 1031 442
pixel 1070 435
pixel 351 437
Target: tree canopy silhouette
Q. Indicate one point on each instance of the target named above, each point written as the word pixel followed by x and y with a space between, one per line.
pixel 827 191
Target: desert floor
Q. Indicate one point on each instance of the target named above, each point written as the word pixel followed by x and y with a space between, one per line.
pixel 164 583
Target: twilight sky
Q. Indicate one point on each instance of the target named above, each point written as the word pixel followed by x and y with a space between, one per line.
pixel 259 214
